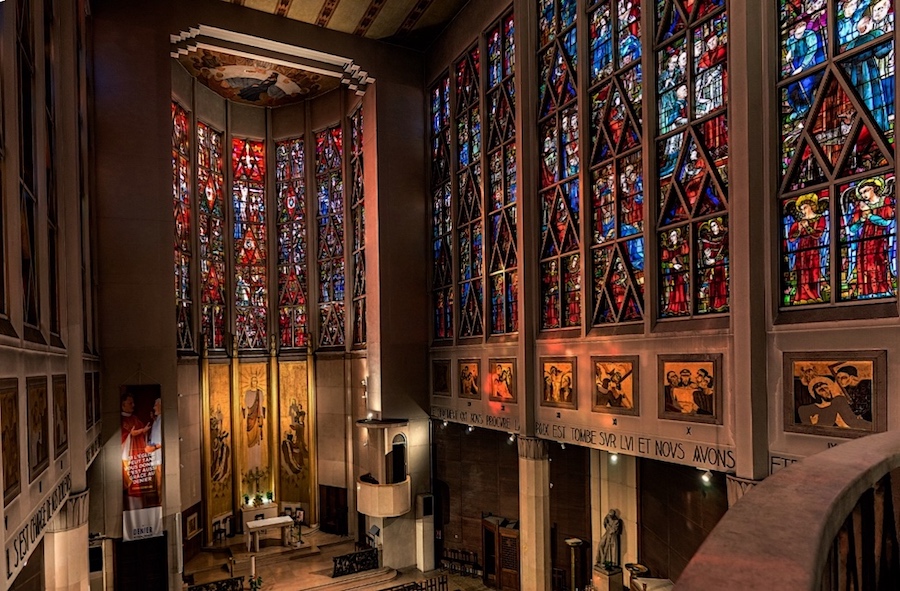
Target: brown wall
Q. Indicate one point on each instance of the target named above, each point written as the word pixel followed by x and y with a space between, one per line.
pixel 570 504
pixel 481 473
pixel 677 512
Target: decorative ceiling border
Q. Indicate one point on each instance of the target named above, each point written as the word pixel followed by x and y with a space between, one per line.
pixel 240 44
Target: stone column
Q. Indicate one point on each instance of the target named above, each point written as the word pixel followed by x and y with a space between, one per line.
pixel 534 514
pixel 65 546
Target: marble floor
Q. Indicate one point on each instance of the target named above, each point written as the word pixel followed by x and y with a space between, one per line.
pixel 305 566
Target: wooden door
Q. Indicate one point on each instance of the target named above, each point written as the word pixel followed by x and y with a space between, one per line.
pixel 508 553
pixel 490 558
pixel 333 515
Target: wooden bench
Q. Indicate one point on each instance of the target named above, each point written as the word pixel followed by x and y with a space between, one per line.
pixel 285 522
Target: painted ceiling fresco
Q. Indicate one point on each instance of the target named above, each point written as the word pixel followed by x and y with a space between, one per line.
pixel 255 82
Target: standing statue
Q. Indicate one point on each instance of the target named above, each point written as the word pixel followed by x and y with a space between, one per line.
pixel 609 543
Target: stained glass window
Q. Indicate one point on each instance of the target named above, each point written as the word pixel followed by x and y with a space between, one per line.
pixel 470 222
pixel 560 262
pixel 358 215
pixel 617 179
pixel 442 216
pixel 837 209
pixel 248 161
pixel 330 222
pixel 502 178
pixel 290 190
pixel 25 58
pixel 211 231
pixel 692 156
pixel 51 150
pixel 181 191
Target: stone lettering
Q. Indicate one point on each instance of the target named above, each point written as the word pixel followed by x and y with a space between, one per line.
pixel 667 449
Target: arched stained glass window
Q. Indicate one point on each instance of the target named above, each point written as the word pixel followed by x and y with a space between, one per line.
pixel 617 180
pixel 470 221
pixel 441 214
pixel 837 207
pixel 560 272
pixel 251 256
pixel 692 156
pixel 181 190
pixel 330 222
pixel 290 191
pixel 502 178
pixel 358 215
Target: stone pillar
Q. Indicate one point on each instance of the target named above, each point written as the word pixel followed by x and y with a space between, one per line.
pixel 65 546
pixel 534 514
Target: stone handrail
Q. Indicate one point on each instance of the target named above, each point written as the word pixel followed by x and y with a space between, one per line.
pixel 781 532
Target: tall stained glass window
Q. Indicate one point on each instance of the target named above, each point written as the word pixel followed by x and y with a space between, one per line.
pixel 358 217
pixel 560 272
pixel 25 70
pixel 617 181
pixel 470 222
pixel 502 177
pixel 211 231
pixel 50 58
pixel 837 208
pixel 441 214
pixel 248 162
pixel 181 191
pixel 330 222
pixel 290 190
pixel 692 156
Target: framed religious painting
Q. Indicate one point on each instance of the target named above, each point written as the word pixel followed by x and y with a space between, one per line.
pixel 440 377
pixel 469 379
pixel 503 380
pixel 615 385
pixel 38 427
pixel 9 439
pixel 558 382
pixel 690 388
pixel 60 416
pixel 835 393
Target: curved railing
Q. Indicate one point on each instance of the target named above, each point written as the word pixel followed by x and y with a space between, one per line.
pixel 827 522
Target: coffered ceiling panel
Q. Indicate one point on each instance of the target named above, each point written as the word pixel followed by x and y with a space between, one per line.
pixel 413 23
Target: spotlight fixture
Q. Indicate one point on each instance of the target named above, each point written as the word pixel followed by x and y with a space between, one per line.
pixel 512 437
pixel 613 458
pixel 706 477
pixel 562 446
pixel 469 429
pixel 369 416
pixel 444 424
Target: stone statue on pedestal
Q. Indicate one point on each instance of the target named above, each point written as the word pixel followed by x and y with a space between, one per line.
pixel 608 553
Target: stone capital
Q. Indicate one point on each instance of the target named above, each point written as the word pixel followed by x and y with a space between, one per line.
pixel 736 487
pixel 73 514
pixel 532 448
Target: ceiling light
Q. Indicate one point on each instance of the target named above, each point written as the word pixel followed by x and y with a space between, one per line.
pixel 613 458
